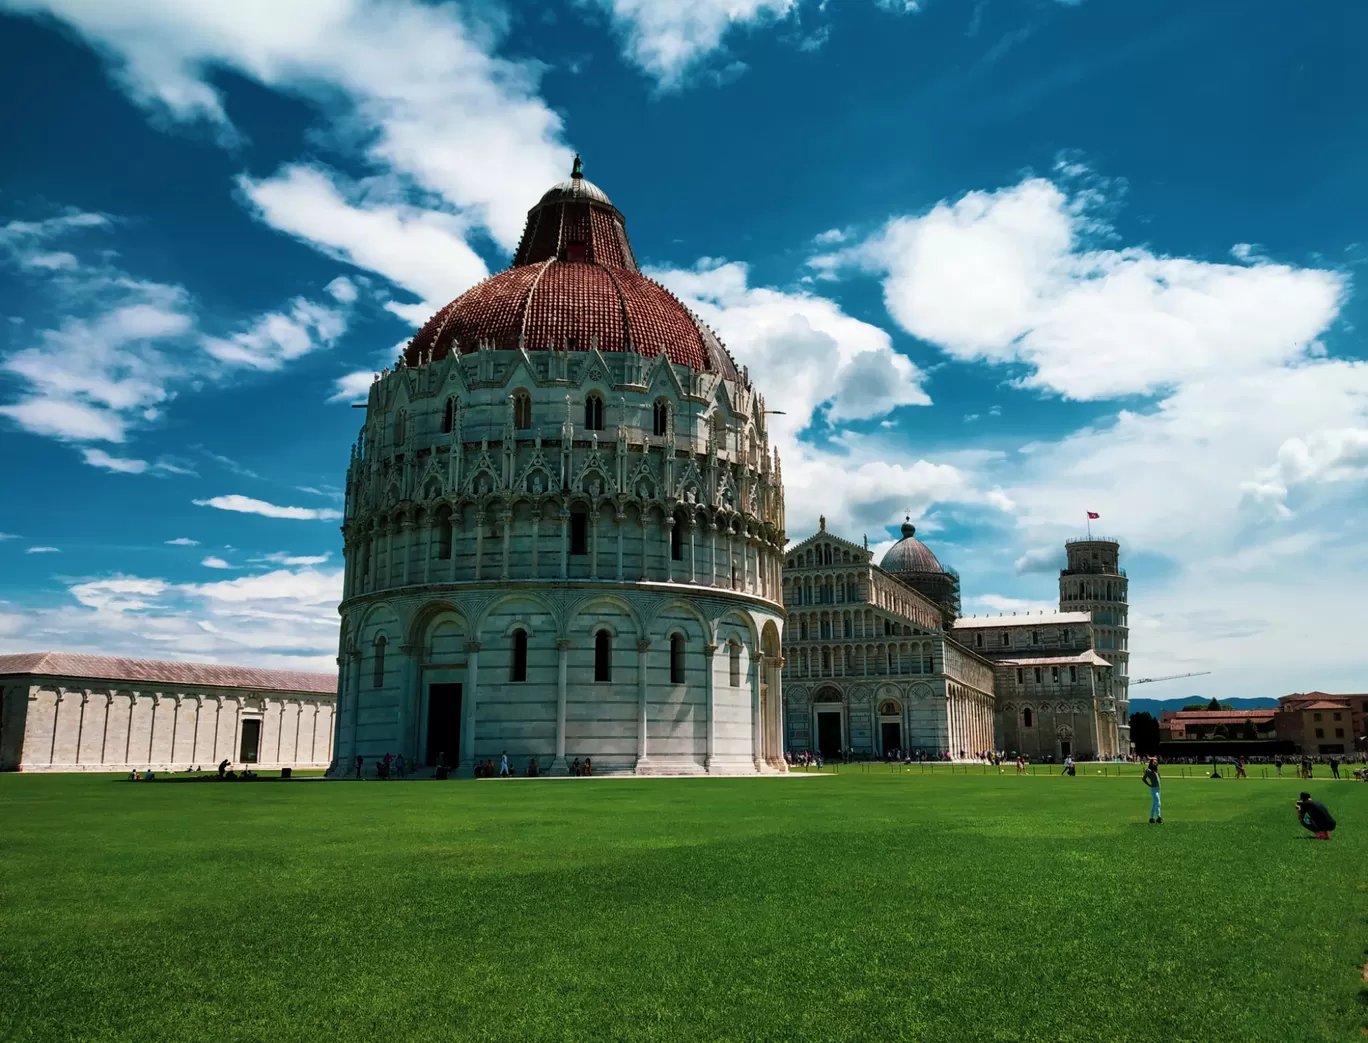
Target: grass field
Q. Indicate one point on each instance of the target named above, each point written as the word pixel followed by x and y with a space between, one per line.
pixel 939 907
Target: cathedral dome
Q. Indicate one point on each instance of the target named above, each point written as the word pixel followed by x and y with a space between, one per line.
pixel 574 285
pixel 910 555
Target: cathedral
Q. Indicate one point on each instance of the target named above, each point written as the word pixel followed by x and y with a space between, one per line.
pixel 878 658
pixel 564 528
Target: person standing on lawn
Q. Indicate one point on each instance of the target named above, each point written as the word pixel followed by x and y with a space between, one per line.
pixel 1151 779
pixel 1334 766
pixel 1315 816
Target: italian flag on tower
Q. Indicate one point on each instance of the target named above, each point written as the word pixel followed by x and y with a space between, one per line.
pixel 1092 516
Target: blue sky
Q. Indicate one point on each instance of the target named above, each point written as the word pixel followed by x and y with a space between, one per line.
pixel 1001 261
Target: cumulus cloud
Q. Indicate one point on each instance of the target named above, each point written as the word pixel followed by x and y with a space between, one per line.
pixel 417 83
pixel 182 541
pixel 1008 277
pixel 42 550
pixel 212 562
pixel 247 505
pixel 281 558
pixel 667 39
pixel 279 337
pixel 286 619
pixel 353 387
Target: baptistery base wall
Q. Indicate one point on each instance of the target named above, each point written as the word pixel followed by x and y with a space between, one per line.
pixel 689 683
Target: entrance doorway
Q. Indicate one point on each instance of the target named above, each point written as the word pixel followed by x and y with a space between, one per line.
pixel 829 734
pixel 890 736
pixel 1065 747
pixel 443 725
pixel 251 740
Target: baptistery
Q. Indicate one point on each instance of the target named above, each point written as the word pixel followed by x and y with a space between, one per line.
pixel 564 528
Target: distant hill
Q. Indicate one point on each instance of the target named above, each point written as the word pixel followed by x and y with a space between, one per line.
pixel 1153 706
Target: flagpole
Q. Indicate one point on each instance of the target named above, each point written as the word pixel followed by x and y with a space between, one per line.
pixel 1089 514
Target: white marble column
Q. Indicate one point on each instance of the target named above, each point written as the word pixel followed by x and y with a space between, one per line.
pixel 756 660
pixel 479 542
pixel 409 675
pixel 470 702
pixel 565 542
pixel 619 520
pixel 558 766
pixel 643 647
pixel 709 651
pixel 507 518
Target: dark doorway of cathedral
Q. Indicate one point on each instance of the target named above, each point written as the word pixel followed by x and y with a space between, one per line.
pixel 251 741
pixel 443 724
pixel 890 734
pixel 1065 747
pixel 829 734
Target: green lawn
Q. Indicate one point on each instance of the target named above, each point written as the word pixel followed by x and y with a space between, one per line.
pixel 938 906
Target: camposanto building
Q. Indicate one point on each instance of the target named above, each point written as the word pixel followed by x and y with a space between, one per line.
pixel 564 527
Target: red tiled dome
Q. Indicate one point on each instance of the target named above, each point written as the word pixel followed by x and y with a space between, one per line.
pixel 910 555
pixel 574 284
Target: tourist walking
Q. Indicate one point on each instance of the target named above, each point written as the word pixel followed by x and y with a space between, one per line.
pixel 360 763
pixel 1315 816
pixel 1151 779
pixel 1069 766
pixel 1334 766
pixel 399 765
pixel 223 767
pixel 503 765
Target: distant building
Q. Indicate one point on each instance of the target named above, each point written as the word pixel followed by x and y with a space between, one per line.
pixel 1212 725
pixel 65 712
pixel 878 658
pixel 1322 724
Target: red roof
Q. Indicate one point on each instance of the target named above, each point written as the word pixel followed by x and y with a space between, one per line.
pixel 1216 716
pixel 155 671
pixel 574 285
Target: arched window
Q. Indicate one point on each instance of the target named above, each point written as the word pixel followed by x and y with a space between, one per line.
pixel 802 630
pixel 378 676
pixel 603 656
pixel 518 668
pixel 593 413
pixel 400 427
pixel 735 649
pixel 449 415
pixel 676 659
pixel 719 428
pixel 1026 717
pixel 660 417
pixel 522 410
pixel 677 539
pixel 890 708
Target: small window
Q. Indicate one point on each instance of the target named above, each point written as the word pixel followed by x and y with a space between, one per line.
pixel 677 540
pixel 593 413
pixel 378 677
pixel 579 532
pixel 518 668
pixel 1073 674
pixel 660 418
pixel 1006 639
pixel 400 427
pixel 1337 717
pixel 1339 733
pixel 677 659
pixel 1035 637
pixel 1064 636
pixel 1020 677
pixel 1316 717
pixel 444 537
pixel 1054 674
pixel 735 650
pixel 448 416
pixel 603 656
pixel 1026 717
pixel 802 630
pixel 522 410
pixel 1038 677
pixel 1320 733
pixel 978 639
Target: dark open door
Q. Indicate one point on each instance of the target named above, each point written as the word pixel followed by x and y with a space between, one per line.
pixel 890 733
pixel 829 734
pixel 444 724
pixel 251 741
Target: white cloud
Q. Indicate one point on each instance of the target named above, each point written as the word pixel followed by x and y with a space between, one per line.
pixel 123 465
pixel 353 387
pixel 24 242
pixel 667 39
pixel 8 536
pixel 999 604
pixel 42 550
pixel 1006 276
pixel 415 82
pixel 419 249
pixel 284 619
pixel 212 562
pixel 247 505
pixel 1322 457
pixel 342 290
pixel 829 237
pixel 277 338
pixel 182 541
pixel 281 558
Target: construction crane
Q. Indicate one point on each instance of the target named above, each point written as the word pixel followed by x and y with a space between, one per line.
pixel 1168 677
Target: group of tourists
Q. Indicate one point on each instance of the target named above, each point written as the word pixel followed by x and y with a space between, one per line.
pixel 387 767
pixel 1312 814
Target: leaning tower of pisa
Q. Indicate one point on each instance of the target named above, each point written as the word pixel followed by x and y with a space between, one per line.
pixel 1093 581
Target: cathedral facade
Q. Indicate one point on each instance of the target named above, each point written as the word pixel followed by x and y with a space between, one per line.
pixel 564 528
pixel 879 659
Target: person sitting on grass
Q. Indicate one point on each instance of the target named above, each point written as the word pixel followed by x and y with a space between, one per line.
pixel 1151 779
pixel 1315 816
pixel 532 768
pixel 575 768
pixel 588 766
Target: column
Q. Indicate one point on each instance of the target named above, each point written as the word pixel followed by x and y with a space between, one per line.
pixel 776 713
pixel 643 646
pixel 558 766
pixel 389 554
pixel 645 544
pixel 479 541
pixel 618 519
pixel 669 528
pixel 756 661
pixel 693 569
pixel 470 701
pixel 712 561
pixel 709 650
pixel 593 543
pixel 451 576
pixel 428 532
pixel 408 696
pixel 407 542
pixel 565 541
pixel 507 540
pixel 536 537
pixel 356 709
